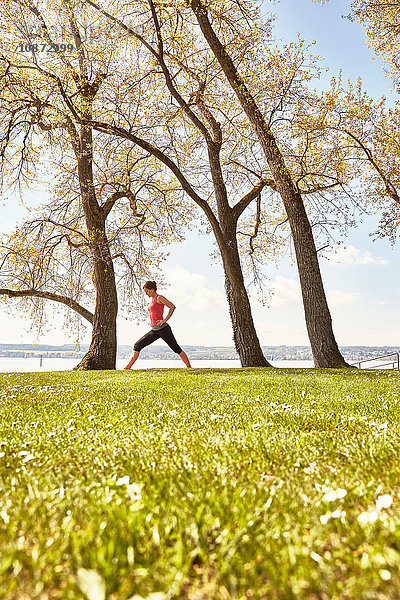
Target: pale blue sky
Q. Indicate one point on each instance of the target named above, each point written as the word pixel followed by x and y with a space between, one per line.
pixel 339 40
pixel 363 287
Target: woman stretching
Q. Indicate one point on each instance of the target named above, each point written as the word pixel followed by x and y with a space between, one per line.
pixel 159 326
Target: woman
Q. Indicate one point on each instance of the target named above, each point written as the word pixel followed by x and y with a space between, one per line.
pixel 159 326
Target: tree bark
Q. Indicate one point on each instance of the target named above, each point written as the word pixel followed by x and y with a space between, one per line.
pixel 102 351
pixel 245 336
pixel 317 315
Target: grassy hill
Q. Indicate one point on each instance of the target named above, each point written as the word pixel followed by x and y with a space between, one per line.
pixel 202 484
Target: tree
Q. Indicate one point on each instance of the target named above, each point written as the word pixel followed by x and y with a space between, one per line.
pixel 381 20
pixel 370 128
pixel 286 68
pixel 199 137
pixel 370 131
pixel 317 314
pixel 192 119
pixel 46 106
pixel 381 148
pixel 47 258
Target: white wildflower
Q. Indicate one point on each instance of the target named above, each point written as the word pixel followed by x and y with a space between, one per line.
pixel 324 518
pixel 333 495
pixel 5 517
pixel 134 491
pixel 384 501
pixel 368 517
pixel 311 468
pixel 385 574
pixel 123 480
pixel 338 513
pixel 91 584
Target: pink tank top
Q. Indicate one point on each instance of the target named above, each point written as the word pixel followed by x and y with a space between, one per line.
pixel 156 311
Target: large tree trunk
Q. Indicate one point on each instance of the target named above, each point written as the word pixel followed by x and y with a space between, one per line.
pixel 318 319
pixel 245 336
pixel 103 348
pixel 317 314
pixel 102 352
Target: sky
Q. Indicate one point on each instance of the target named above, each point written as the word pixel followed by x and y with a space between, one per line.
pixel 361 277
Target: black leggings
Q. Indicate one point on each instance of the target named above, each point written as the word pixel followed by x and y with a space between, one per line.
pixel 165 333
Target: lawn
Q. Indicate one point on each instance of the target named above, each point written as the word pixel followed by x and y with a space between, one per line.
pixel 201 484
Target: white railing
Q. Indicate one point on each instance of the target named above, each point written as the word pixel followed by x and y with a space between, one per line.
pixel 394 363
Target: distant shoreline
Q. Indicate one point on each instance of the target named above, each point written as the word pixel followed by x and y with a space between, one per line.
pixel 289 353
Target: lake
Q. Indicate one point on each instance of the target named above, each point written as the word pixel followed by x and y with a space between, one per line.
pixel 31 365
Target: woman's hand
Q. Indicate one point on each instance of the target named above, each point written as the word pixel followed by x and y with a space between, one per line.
pixel 161 322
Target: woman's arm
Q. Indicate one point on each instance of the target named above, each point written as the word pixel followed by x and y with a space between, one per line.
pixel 162 300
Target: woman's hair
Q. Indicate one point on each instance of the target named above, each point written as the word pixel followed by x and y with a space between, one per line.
pixel 150 285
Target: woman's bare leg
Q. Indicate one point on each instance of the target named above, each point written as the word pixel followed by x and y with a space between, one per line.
pixel 132 360
pixel 183 356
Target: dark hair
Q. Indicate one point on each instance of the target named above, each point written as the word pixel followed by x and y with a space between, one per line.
pixel 150 285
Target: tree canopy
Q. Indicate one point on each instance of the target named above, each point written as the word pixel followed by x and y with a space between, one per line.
pixel 150 114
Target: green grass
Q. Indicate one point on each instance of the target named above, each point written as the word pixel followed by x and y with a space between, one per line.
pixel 234 470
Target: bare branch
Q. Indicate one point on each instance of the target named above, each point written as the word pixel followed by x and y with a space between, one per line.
pixel 107 206
pixel 238 209
pixel 86 314
pixel 257 224
pixel 162 157
pixel 159 55
pixel 390 188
